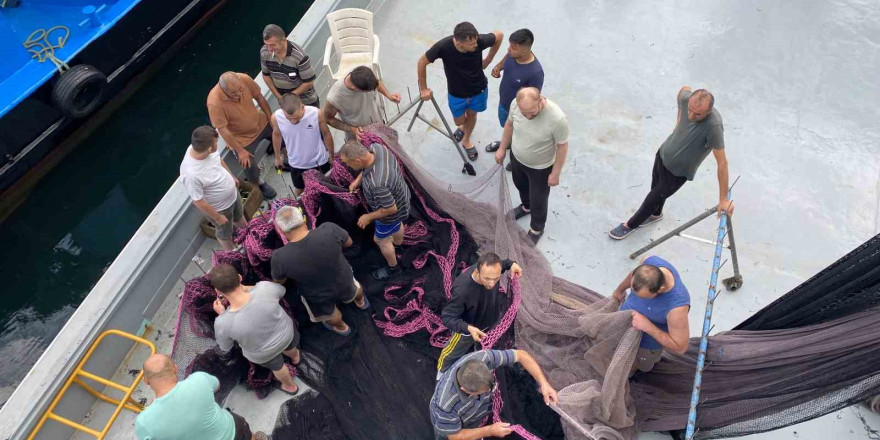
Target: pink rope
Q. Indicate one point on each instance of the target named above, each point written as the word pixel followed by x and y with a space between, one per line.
pixel 414 232
pixel 314 188
pixel 425 318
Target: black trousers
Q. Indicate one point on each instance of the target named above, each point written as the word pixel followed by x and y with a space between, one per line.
pixel 459 345
pixel 534 191
pixel 663 185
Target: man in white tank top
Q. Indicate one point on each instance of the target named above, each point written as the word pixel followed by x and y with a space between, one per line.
pixel 304 133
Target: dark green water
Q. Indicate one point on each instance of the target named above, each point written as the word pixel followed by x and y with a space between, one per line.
pixel 78 218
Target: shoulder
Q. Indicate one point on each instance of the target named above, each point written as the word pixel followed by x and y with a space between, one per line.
pixel 214 95
pixel 555 109
pixel 296 50
pixel 715 117
pixel 442 44
pixel 264 53
pixel 266 287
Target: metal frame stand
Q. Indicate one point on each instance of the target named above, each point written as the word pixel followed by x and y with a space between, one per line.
pixel 467 167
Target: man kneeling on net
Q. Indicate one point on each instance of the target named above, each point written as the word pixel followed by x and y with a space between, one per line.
pixel 660 303
pixel 463 395
pixel 257 322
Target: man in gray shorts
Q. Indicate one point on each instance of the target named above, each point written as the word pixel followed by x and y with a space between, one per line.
pixel 313 260
pixel 213 188
pixel 257 322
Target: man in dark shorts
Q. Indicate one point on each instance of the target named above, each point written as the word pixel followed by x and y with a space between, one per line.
pixel 463 64
pixel 286 67
pixel 302 133
pixel 314 261
pixel 257 322
pixel 476 306
pixel 660 303
pixel 387 196
pixel 698 130
pixel 186 409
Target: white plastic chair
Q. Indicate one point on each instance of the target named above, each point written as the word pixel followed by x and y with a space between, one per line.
pixel 351 35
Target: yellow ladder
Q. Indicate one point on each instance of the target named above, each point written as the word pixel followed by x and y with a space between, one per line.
pixel 76 377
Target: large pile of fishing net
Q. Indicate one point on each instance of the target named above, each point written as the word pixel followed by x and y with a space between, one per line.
pixel 807 354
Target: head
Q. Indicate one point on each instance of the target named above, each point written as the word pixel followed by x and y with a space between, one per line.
pixel 225 279
pixel 275 39
pixel 289 218
pixel 204 139
pixel 292 107
pixel 700 105
pixel 363 78
pixel 520 44
pixel 474 378
pixel 355 155
pixel 529 101
pixel 231 85
pixel 160 370
pixel 488 270
pixel 647 281
pixel 464 37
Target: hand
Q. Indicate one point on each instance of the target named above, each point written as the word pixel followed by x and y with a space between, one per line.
pixel 219 308
pixel 640 322
pixel 499 429
pixel 237 183
pixel 244 158
pixel 553 179
pixel 516 270
pixel 395 98
pixel 354 187
pixel 496 71
pixel 486 62
pixel 619 295
pixel 278 163
pixel 476 333
pixel 364 221
pixel 425 94
pixel 725 206
pixel 549 394
pixel 499 155
pixel 357 132
pixel 221 220
pixel 278 97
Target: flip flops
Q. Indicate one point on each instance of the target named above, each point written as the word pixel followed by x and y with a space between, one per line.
pixel 366 305
pixel 289 393
pixel 493 147
pixel 471 153
pixel 330 327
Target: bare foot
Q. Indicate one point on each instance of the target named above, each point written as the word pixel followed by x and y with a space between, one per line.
pixel 341 329
pixel 290 389
pixel 359 304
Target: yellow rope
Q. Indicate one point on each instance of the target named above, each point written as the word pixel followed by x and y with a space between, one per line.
pixel 42 49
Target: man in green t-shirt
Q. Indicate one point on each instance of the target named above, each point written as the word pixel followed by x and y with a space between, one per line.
pixel 186 409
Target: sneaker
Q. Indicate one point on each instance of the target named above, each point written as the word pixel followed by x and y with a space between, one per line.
pixel 535 236
pixel 509 167
pixel 652 219
pixel 386 272
pixel 493 147
pixel 520 212
pixel 620 232
pixel 268 192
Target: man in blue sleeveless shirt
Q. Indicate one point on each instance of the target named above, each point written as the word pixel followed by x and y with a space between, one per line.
pixel 660 303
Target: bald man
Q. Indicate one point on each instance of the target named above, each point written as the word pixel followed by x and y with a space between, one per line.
pixel 698 130
pixel 537 129
pixel 186 409
pixel 232 112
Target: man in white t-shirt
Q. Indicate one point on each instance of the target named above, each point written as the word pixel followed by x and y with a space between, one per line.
pixel 537 132
pixel 213 188
pixel 302 130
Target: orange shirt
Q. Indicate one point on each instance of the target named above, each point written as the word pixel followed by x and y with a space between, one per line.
pixel 242 118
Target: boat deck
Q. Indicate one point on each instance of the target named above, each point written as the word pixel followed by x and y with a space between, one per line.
pixel 798 92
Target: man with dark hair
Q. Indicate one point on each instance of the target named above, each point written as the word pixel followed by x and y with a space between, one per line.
pixel 387 196
pixel 476 306
pixel 257 322
pixel 660 303
pixel 463 394
pixel 521 69
pixel 212 187
pixel 698 130
pixel 186 409
pixel 242 126
pixel 353 103
pixel 463 64
pixel 286 67
pixel 313 260
pixel 302 132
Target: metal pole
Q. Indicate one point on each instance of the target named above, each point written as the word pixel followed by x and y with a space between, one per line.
pixel 416 115
pixel 674 232
pixel 736 281
pixel 707 325
pixel 401 113
pixel 449 130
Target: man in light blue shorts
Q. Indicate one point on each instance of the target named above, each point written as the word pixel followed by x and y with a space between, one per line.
pixel 463 64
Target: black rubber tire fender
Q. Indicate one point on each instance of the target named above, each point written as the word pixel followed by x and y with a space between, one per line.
pixel 79 91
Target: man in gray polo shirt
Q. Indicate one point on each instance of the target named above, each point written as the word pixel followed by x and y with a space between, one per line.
pixel 698 130
pixel 286 67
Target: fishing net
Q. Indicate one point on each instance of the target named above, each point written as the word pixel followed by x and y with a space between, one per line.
pixel 798 359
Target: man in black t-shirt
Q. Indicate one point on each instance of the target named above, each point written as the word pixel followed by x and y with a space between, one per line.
pixel 463 64
pixel 314 261
pixel 475 307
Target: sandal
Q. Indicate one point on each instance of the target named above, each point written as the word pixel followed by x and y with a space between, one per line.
pixel 520 212
pixel 471 153
pixel 289 393
pixel 330 327
pixel 458 134
pixel 366 304
pixel 493 147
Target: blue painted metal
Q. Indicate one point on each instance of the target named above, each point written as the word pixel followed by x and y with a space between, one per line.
pixel 20 74
pixel 707 325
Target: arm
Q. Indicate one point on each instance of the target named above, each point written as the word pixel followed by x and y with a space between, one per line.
pixel 277 272
pixel 620 292
pixel 209 211
pixel 496 71
pixel 355 184
pixel 276 140
pixel 724 204
pixel 678 337
pixel 393 97
pixel 451 315
pixel 561 152
pixel 304 87
pixel 330 113
pixel 529 364
pixel 506 137
pixel 306 73
pixel 271 85
pixel 325 133
pixel 678 104
pixel 485 431
pixel 223 162
pixel 512 266
pixel 348 243
pixel 424 91
pixel 379 213
pixel 499 36
pixel 263 104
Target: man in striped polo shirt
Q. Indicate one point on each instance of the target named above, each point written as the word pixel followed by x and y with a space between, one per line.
pixel 286 67
pixel 387 196
pixel 463 395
